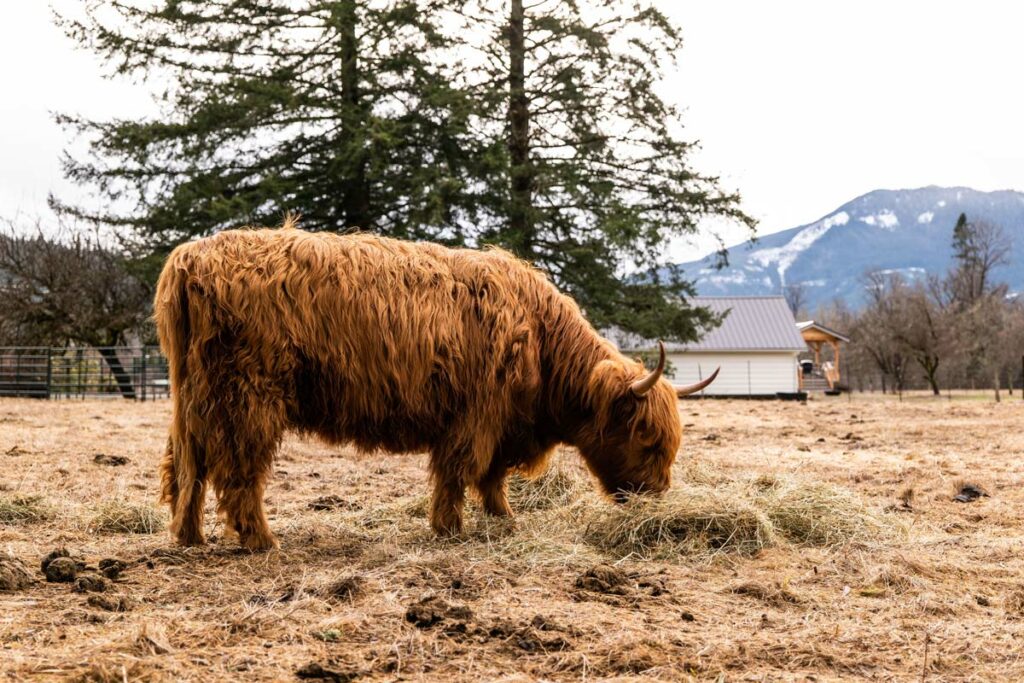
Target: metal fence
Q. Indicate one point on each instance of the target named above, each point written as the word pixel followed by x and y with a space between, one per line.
pixel 137 373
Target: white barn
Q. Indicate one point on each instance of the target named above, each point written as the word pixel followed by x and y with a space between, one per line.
pixel 756 347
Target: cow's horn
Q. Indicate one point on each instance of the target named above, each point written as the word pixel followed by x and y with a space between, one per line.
pixel 645 384
pixel 694 388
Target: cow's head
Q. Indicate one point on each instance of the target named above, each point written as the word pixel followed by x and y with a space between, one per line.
pixel 631 442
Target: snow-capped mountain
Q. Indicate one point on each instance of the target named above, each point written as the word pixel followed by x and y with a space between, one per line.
pixel 909 231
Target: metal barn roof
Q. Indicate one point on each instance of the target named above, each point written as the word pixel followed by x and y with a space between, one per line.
pixel 811 325
pixel 752 323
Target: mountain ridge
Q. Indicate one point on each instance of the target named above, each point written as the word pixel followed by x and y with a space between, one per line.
pixel 907 231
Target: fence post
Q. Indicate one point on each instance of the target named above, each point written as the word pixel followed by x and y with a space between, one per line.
pixel 143 392
pixel 49 371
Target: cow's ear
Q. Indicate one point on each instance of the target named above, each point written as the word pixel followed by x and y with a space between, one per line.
pixel 608 380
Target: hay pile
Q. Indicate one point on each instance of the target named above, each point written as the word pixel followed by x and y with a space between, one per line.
pixel 690 520
pixel 702 517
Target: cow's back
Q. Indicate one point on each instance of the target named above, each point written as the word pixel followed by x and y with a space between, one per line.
pixel 380 341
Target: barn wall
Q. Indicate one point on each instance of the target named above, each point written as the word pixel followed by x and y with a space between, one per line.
pixel 742 374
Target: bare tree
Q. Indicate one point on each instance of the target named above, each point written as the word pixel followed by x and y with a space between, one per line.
pixel 963 322
pixel 874 329
pixel 70 288
pixel 796 297
pixel 922 324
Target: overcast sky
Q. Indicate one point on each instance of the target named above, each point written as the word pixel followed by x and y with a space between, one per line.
pixel 801 106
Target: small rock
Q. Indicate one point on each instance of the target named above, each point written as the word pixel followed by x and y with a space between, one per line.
pixel 432 610
pixel 332 502
pixel 604 578
pixel 331 635
pixel 687 616
pixel 14 575
pixel 111 460
pixel 61 570
pixel 314 671
pixel 969 493
pixel 51 556
pixel 90 584
pixel 288 594
pixel 345 588
pixel 109 603
pixel 112 568
pixel 655 585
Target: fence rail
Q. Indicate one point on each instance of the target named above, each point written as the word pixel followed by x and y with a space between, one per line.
pixel 132 372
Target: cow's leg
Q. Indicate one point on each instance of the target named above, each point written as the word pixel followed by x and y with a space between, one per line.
pixel 492 489
pixel 240 500
pixel 240 481
pixel 251 430
pixel 186 511
pixel 454 465
pixel 448 501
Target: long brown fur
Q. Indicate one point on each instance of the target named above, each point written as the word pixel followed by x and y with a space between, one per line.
pixel 473 356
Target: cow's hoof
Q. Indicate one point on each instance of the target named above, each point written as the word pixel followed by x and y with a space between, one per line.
pixel 259 543
pixel 190 540
pixel 451 528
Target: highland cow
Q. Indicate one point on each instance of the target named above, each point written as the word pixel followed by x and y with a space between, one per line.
pixel 472 356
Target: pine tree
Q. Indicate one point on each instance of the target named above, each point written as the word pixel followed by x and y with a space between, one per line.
pixel 535 127
pixel 586 173
pixel 979 247
pixel 326 108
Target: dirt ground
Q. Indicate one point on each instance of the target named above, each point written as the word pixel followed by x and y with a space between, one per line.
pixel 361 590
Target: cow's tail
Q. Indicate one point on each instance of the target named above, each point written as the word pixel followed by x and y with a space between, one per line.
pixel 180 471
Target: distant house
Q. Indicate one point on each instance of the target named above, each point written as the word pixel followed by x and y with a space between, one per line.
pixel 756 347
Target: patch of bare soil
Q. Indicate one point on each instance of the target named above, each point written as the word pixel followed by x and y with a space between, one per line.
pixel 863 539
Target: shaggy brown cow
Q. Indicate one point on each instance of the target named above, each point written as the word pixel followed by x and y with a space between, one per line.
pixel 473 356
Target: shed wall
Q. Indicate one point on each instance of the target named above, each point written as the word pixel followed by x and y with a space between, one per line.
pixel 742 374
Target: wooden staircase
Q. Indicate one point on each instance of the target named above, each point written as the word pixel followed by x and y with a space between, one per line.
pixel 815 385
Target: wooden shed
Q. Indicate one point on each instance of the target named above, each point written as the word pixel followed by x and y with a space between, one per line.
pixel 821 373
pixel 756 347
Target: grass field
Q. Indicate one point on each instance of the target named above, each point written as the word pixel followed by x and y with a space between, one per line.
pixel 800 542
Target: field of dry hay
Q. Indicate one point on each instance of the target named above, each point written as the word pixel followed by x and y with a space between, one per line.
pixel 800 542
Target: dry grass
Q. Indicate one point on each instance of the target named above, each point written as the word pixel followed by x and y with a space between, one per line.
pixel 821 514
pixel 776 556
pixel 23 509
pixel 119 517
pixel 558 485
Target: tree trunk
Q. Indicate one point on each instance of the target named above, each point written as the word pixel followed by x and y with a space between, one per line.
pixel 520 173
pixel 930 370
pixel 995 384
pixel 355 199
pixel 121 376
